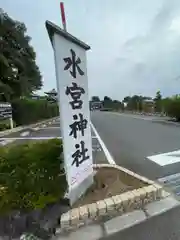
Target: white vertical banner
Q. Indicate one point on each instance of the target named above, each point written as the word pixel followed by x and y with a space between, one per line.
pixel 72 84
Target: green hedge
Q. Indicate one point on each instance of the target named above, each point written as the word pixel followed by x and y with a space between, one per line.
pixel 31 175
pixel 5 124
pixel 172 107
pixel 27 111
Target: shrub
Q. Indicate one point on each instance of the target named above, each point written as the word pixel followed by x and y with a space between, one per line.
pixel 5 124
pixel 26 111
pixel 173 107
pixel 32 175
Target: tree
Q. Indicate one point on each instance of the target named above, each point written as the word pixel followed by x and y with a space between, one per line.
pixel 95 99
pixel 107 103
pixel 158 102
pixel 172 106
pixel 126 99
pixel 112 104
pixel 134 102
pixel 106 99
pixel 117 105
pixel 165 103
pixel 19 74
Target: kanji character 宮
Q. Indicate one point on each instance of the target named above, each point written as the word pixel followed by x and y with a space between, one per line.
pixel 75 93
pixel 74 63
pixel 78 125
pixel 80 155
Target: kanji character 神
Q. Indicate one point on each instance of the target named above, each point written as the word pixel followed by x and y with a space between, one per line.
pixel 74 63
pixel 80 125
pixel 80 155
pixel 75 93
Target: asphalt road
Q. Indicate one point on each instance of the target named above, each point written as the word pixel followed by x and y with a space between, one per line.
pixel 45 131
pixel 131 139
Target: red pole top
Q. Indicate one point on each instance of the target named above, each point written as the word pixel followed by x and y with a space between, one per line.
pixel 63 17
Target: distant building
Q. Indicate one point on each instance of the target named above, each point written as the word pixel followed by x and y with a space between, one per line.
pixel 148 105
pixel 35 96
pixel 52 95
pixel 95 105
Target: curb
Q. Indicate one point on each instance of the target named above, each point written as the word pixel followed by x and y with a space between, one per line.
pixel 118 224
pixel 166 122
pixel 8 141
pixel 34 125
pixel 115 205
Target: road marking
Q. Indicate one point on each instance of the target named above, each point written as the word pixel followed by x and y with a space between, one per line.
pixel 135 117
pixel 106 152
pixel 40 128
pixel 24 134
pixel 166 158
pixel 34 138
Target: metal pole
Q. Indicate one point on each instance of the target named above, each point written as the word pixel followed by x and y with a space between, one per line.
pixel 63 17
pixel 11 123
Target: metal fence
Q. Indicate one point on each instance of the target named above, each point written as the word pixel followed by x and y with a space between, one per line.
pixel 5 111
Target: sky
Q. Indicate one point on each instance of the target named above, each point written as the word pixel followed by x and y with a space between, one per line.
pixel 135 45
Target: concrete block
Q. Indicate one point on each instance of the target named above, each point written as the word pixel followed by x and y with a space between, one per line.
pixel 124 199
pixel 125 221
pixel 159 190
pixel 161 206
pixel 74 216
pixel 102 208
pixel 65 220
pixel 118 203
pixel 110 204
pixel 130 204
pixel 83 212
pixel 151 192
pixel 93 210
pixel 137 198
pixel 142 194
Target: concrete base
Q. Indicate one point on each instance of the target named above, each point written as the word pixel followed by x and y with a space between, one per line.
pixel 125 221
pixel 77 192
pixel 159 207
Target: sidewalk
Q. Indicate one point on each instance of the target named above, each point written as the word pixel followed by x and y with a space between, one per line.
pixel 163 227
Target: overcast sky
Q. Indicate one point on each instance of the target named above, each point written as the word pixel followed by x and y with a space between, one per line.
pixel 135 44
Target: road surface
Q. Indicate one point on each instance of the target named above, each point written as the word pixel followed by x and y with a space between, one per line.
pixel 127 140
pixel 45 131
pixel 131 139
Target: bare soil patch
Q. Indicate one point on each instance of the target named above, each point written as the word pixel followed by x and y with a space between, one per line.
pixel 109 182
